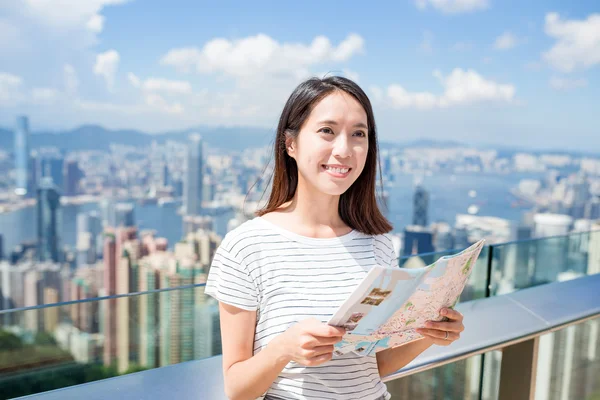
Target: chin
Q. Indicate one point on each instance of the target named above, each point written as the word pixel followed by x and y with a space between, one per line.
pixel 334 190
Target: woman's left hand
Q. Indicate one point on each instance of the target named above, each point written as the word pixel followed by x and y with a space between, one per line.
pixel 444 333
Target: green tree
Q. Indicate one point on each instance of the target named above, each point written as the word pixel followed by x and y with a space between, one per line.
pixel 10 341
pixel 44 339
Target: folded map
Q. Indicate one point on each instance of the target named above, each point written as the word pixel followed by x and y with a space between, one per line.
pixel 389 304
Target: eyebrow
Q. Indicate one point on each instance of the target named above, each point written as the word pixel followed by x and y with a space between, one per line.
pixel 332 122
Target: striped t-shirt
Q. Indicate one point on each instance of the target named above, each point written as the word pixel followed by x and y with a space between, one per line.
pixel 288 277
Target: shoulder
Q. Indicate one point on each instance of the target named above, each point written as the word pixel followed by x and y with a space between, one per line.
pixel 245 232
pixel 383 242
pixel 250 237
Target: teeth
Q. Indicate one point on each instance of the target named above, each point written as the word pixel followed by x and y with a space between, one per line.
pixel 337 170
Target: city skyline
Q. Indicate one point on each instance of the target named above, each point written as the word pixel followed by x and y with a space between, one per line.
pixel 474 71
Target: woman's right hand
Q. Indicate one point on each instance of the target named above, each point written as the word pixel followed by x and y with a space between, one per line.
pixel 309 342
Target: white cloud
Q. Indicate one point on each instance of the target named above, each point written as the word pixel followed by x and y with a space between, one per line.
pixel 134 80
pixel 43 95
pixel 460 87
pixel 166 85
pixel 578 42
pixel 260 54
pixel 10 86
pixel 106 66
pixel 71 79
pixel 453 6
pixel 426 45
pixel 156 101
pixel 95 23
pixel 69 14
pixel 566 83
pixel 506 41
pixel 352 75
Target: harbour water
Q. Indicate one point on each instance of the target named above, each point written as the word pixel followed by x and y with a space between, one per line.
pixel 449 195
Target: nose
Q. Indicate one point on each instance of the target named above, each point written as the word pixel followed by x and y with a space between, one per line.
pixel 341 147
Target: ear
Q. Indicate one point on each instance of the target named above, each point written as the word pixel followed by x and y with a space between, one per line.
pixel 290 146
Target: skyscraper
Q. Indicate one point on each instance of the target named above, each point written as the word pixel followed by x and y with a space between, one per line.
pixel 48 208
pixel 551 253
pixel 52 167
pixel 124 215
pixel 417 240
pixel 194 179
pixel 420 206
pixel 23 184
pixel 72 177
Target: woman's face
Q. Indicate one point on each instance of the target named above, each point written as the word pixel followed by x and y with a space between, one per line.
pixel 331 147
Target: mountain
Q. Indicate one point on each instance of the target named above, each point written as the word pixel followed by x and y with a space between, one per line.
pixel 88 137
pixel 431 143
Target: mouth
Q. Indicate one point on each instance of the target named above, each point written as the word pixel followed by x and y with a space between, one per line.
pixel 336 172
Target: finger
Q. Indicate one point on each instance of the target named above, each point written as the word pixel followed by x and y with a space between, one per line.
pixel 324 330
pixel 445 326
pixel 320 350
pixel 451 314
pixel 323 341
pixel 436 334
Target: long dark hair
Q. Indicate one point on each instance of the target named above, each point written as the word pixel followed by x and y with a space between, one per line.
pixel 358 206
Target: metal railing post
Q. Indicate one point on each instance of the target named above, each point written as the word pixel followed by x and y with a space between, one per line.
pixel 518 371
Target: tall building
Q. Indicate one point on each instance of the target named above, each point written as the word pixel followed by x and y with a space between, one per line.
pixel 420 206
pixel 417 240
pixel 443 238
pixel 194 179
pixel 124 215
pixel 594 250
pixel 547 224
pixel 551 252
pixel 72 177
pixel 23 182
pixel 51 166
pixel 107 210
pixel 48 217
pixel 110 306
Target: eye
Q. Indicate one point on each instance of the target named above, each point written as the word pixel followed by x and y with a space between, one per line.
pixel 360 133
pixel 325 130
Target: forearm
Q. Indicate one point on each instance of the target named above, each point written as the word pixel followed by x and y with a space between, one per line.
pixel 251 378
pixel 391 360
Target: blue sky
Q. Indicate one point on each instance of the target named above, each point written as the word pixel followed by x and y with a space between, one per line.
pixel 480 71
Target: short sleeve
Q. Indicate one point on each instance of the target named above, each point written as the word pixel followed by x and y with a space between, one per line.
pixel 384 251
pixel 229 282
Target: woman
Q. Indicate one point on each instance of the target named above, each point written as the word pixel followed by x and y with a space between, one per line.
pixel 280 276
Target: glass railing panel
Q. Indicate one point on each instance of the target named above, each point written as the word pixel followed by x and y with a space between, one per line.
pixel 528 263
pixel 49 348
pixel 568 364
pixel 456 381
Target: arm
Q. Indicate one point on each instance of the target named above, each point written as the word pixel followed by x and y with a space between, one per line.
pixel 248 376
pixel 391 360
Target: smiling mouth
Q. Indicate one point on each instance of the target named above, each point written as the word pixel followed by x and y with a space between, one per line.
pixel 336 172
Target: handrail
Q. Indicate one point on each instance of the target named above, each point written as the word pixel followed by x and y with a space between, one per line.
pixel 532 313
pixel 507 322
pixel 488 256
pixel 92 299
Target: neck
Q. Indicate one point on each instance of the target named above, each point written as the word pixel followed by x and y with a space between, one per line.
pixel 315 209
